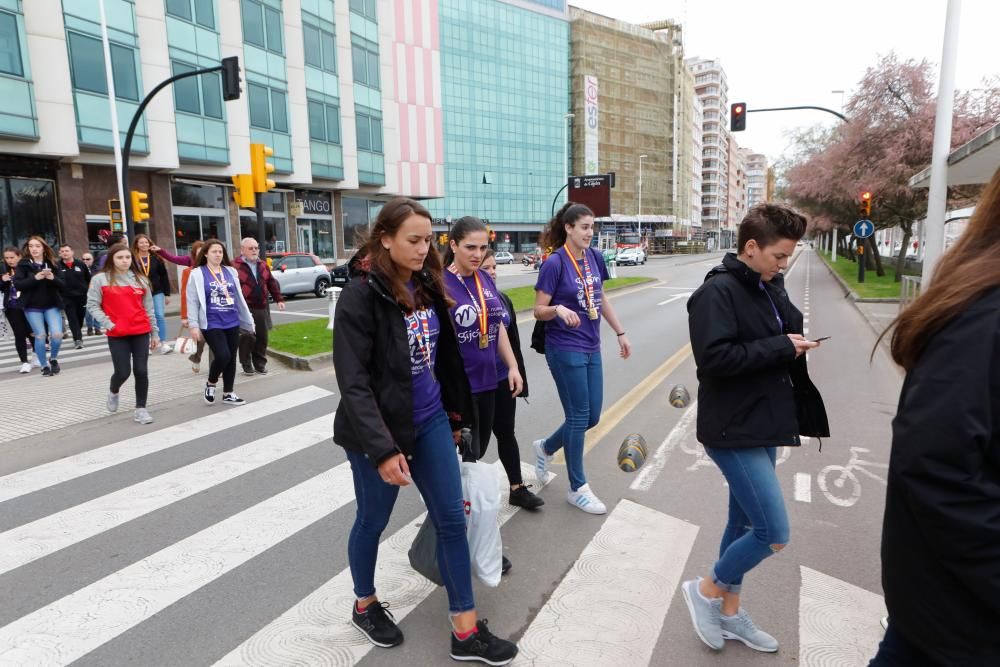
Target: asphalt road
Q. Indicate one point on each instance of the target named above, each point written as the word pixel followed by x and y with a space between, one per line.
pixel 153 552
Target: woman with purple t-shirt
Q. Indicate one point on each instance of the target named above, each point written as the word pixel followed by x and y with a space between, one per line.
pixel 216 314
pixel 569 296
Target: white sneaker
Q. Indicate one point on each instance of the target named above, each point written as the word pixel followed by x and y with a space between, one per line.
pixel 585 499
pixel 542 461
pixel 142 416
pixel 166 349
pixel 35 363
pixel 25 368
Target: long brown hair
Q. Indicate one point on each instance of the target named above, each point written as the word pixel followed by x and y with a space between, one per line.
pixel 135 244
pixel 389 220
pixel 194 250
pixel 202 259
pixel 109 264
pixel 554 235
pixel 969 268
pixel 47 254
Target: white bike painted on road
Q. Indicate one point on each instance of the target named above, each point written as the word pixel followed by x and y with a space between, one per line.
pixel 845 489
pixel 702 459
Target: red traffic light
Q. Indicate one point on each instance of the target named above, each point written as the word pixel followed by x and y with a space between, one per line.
pixel 866 196
pixel 737 117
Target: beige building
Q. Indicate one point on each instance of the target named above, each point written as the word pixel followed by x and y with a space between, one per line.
pixel 712 88
pixel 757 168
pixel 736 195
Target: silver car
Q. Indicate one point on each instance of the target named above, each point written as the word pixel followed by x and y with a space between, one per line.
pixel 298 273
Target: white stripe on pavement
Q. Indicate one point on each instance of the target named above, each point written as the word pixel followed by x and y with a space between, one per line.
pixel 64 361
pixel 803 487
pixel 609 609
pixel 317 630
pixel 29 542
pixel 675 297
pixel 85 463
pixel 838 622
pixel 653 468
pixel 80 622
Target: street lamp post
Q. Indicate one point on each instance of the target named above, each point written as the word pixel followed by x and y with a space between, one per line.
pixel 566 119
pixel 639 216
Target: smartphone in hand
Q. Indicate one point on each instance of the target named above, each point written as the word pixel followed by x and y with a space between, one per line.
pixel 820 340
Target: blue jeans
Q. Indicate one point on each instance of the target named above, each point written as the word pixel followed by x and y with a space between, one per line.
pixel 434 468
pixel 161 321
pixel 91 322
pixel 757 515
pixel 37 320
pixel 580 381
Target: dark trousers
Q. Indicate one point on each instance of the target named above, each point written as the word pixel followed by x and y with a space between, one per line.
pixel 253 349
pixel 130 354
pixel 482 425
pixel 223 344
pixel 895 650
pixel 76 311
pixel 19 326
pixel 505 407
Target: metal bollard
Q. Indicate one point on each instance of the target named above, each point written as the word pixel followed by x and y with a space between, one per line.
pixel 332 293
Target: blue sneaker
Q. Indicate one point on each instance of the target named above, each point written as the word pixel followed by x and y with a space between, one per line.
pixel 705 614
pixel 741 628
pixel 584 499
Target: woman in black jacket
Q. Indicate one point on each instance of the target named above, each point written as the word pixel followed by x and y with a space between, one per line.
pixel 39 285
pixel 146 263
pixel 404 400
pixel 754 396
pixel 941 532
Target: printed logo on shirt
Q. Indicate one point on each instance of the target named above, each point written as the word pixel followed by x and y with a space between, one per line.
pixel 221 295
pixel 581 295
pixel 414 325
pixel 466 316
pixel 472 335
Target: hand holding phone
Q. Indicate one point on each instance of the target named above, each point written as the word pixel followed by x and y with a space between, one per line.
pixel 820 340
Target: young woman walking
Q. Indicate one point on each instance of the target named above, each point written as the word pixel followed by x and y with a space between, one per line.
pixel 569 297
pixel 153 268
pixel 187 262
pixel 122 304
pixel 216 314
pixel 754 395
pixel 13 308
pixel 38 285
pixel 505 405
pixel 393 321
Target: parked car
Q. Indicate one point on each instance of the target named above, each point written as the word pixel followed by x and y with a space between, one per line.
pixel 298 273
pixel 631 256
pixel 504 258
pixel 340 276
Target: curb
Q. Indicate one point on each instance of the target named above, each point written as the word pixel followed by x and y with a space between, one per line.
pixel 851 293
pixel 311 363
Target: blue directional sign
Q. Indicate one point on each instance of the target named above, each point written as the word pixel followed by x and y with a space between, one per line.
pixel 863 229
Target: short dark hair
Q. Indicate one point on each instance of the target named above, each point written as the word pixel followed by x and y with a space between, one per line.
pixel 767 223
pixel 65 245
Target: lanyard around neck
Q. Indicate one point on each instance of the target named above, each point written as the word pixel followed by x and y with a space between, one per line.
pixel 480 305
pixel 588 285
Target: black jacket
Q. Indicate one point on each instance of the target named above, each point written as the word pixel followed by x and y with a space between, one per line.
pixel 75 281
pixel 941 532
pixel 515 343
pixel 371 355
pixel 752 390
pixel 40 294
pixel 158 277
pixel 7 288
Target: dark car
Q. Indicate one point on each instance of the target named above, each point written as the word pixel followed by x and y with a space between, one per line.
pixel 340 276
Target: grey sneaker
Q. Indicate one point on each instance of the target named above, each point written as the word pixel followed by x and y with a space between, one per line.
pixel 112 402
pixel 142 416
pixel 542 461
pixel 705 614
pixel 742 628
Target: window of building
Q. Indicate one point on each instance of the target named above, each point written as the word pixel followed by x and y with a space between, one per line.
pixel 364 7
pixel 324 122
pixel 10 47
pixel 365 64
pixel 369 132
pixel 200 95
pixel 87 67
pixel 320 48
pixel 198 11
pixel 268 108
pixel 262 26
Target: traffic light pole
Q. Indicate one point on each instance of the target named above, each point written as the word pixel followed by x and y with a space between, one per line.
pixel 861 260
pixel 259 201
pixel 838 115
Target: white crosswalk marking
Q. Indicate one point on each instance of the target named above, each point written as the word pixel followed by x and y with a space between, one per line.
pixel 611 606
pixel 838 622
pixel 37 539
pixel 647 476
pixel 72 467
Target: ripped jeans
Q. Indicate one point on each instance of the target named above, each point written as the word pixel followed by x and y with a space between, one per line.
pixel 758 520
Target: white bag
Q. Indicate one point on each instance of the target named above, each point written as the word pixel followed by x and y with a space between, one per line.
pixel 481 491
pixel 185 345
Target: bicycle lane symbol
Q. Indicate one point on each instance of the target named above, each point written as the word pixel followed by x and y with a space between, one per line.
pixel 841 485
pixel 695 449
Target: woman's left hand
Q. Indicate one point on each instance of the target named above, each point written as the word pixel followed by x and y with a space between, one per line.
pixel 624 347
pixel 153 343
pixel 515 382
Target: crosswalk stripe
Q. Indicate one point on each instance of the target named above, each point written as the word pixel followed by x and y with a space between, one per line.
pixel 29 542
pixel 647 476
pixel 317 630
pixel 91 616
pixel 65 360
pixel 48 474
pixel 609 609
pixel 838 621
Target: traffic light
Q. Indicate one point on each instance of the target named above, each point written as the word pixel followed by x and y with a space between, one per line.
pixel 260 167
pixel 493 236
pixel 243 195
pixel 139 206
pixel 231 79
pixel 866 205
pixel 737 117
pixel 443 239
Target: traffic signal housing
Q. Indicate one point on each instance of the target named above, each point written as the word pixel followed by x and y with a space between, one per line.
pixel 139 206
pixel 737 117
pixel 243 195
pixel 260 167
pixel 231 89
pixel 866 205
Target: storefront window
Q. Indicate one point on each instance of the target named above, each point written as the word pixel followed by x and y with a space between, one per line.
pixel 355 221
pixel 198 196
pixel 27 208
pixel 275 231
pixel 199 214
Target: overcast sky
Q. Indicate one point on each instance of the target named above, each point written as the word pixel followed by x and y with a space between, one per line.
pixel 794 52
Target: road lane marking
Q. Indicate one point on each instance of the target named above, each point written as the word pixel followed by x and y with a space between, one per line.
pixel 31 541
pixel 85 463
pixel 617 412
pixel 317 629
pixel 611 296
pixel 676 297
pixel 78 623
pixel 838 622
pixel 648 474
pixel 803 487
pixel 610 608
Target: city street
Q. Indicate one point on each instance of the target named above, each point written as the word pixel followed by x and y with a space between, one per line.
pixel 218 536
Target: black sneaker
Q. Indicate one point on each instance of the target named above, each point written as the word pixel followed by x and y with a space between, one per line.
pixel 505 565
pixel 248 370
pixel 483 646
pixel 378 624
pixel 522 497
pixel 232 399
pixel 46 372
pixel 209 393
pixel 55 366
pixel 260 371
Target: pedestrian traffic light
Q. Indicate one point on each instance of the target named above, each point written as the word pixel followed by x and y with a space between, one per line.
pixel 737 117
pixel 231 79
pixel 866 204
pixel 243 195
pixel 260 167
pixel 139 206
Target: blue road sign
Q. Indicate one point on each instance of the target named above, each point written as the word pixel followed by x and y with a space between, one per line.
pixel 863 229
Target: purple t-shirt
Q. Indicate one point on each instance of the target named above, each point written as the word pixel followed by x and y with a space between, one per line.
pixel 422 331
pixel 220 304
pixel 480 363
pixel 502 369
pixel 558 278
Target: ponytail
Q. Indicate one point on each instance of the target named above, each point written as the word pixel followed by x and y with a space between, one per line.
pixel 462 228
pixel 554 235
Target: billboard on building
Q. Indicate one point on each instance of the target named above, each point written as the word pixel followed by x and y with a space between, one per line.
pixel 590 133
pixel 593 191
